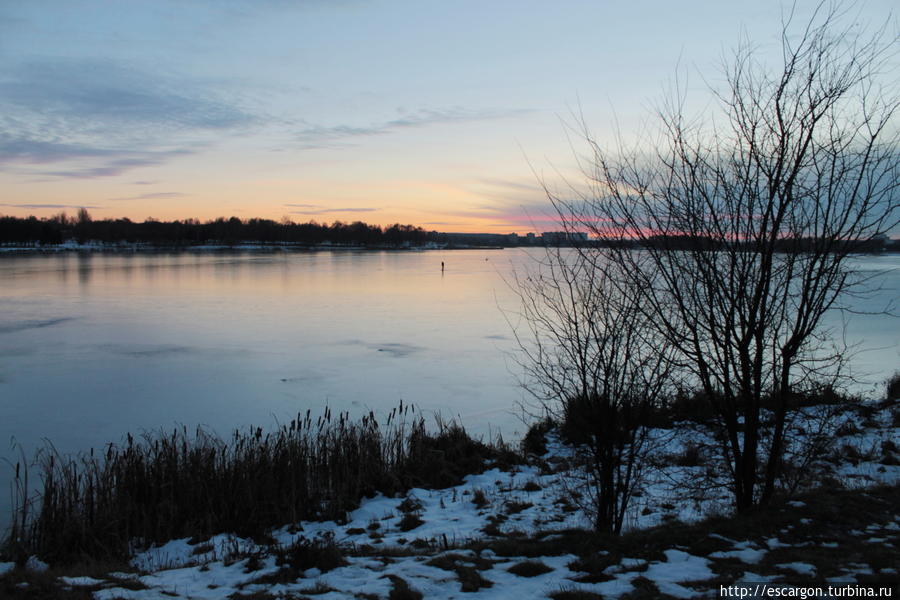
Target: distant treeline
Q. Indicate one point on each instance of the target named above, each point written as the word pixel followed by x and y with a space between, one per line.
pixel 785 245
pixel 82 228
pixel 60 228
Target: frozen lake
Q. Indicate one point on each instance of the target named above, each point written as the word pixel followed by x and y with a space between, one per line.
pixel 95 345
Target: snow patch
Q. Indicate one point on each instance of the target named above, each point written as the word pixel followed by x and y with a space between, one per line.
pixel 679 567
pixel 799 568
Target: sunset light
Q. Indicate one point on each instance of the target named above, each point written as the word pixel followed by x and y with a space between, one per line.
pixel 442 115
pixel 420 300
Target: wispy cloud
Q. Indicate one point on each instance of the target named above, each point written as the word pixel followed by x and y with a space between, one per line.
pixel 314 136
pixel 98 118
pixel 519 202
pixel 109 167
pixel 516 217
pixel 79 160
pixel 515 204
pixel 52 206
pixel 32 151
pixel 513 185
pixel 105 91
pixel 153 196
pixel 324 210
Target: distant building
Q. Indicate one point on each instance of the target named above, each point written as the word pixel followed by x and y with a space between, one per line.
pixel 564 238
pixel 504 240
pixel 481 239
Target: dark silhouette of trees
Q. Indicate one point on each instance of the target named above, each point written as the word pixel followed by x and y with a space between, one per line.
pixel 190 232
pixel 597 367
pixel 82 226
pixel 733 232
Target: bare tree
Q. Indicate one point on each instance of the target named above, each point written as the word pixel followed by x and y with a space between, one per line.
pixel 592 363
pixel 735 231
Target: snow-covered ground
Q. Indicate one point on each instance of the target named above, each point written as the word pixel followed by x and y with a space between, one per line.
pixel 469 541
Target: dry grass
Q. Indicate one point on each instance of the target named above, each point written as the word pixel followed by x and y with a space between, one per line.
pixel 529 568
pixel 21 584
pixel 400 589
pixel 163 486
pixel 409 522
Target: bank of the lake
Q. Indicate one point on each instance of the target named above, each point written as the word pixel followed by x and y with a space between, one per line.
pixel 519 527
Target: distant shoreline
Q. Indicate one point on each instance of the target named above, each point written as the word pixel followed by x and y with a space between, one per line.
pixel 145 248
pixel 138 248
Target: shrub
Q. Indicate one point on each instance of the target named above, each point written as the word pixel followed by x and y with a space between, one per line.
pixel 690 456
pixel 893 386
pixel 409 521
pixel 320 553
pixel 535 440
pixel 410 504
pixel 529 568
pixel 442 459
pixel 513 507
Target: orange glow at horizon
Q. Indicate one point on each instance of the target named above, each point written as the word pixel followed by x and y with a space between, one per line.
pixel 434 206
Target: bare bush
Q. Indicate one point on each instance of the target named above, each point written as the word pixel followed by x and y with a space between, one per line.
pixel 594 365
pixel 731 233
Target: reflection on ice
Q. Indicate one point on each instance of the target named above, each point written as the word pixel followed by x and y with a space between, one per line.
pixel 32 324
pixel 151 340
pixel 397 349
pixel 145 351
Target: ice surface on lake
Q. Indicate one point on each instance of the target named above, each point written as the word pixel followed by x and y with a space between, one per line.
pixel 96 345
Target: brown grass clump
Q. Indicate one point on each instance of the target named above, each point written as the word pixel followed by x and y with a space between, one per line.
pixel 529 568
pixel 400 589
pixel 164 485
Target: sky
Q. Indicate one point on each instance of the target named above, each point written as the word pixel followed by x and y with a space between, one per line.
pixel 446 115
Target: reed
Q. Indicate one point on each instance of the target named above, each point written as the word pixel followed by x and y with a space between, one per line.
pixel 180 483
